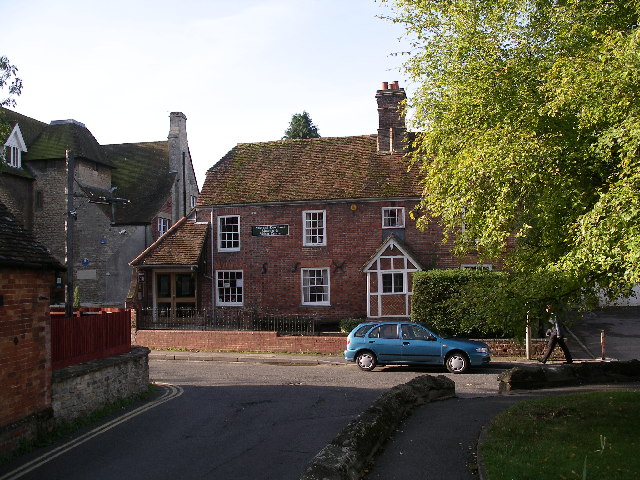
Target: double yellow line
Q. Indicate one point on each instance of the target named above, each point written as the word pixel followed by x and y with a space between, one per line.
pixel 171 392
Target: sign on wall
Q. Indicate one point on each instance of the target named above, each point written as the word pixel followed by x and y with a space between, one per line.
pixel 269 230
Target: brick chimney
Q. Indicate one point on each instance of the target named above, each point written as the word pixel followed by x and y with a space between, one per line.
pixel 392 128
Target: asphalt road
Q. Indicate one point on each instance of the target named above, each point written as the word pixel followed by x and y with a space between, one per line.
pixel 621 327
pixel 224 420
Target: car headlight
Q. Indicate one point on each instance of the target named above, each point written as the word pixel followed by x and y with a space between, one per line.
pixel 483 350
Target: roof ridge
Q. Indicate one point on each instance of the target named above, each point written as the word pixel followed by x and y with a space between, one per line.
pixel 316 139
pixel 133 143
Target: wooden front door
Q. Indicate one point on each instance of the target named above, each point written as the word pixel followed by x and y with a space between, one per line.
pixel 175 294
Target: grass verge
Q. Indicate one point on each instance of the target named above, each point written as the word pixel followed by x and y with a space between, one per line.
pixel 578 436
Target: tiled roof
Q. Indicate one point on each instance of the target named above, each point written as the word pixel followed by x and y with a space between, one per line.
pixel 309 169
pixel 142 176
pixel 19 249
pixel 54 140
pixel 181 245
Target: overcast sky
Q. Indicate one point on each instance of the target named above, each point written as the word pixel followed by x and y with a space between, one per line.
pixel 238 69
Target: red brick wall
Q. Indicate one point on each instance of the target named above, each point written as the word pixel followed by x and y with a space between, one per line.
pixel 270 342
pixel 239 342
pixel 272 265
pixel 25 357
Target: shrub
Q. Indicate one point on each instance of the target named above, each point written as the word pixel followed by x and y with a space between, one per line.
pixel 453 303
pixel 348 324
pixel 481 304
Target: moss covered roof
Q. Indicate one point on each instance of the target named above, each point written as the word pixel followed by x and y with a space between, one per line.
pixel 29 127
pixel 140 171
pixel 56 139
pixel 309 169
pixel 142 176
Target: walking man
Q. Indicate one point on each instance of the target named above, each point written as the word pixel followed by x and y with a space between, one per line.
pixel 556 336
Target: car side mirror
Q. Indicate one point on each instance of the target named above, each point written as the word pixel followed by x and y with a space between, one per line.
pixel 431 338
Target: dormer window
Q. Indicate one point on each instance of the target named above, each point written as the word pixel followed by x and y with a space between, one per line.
pixel 13 148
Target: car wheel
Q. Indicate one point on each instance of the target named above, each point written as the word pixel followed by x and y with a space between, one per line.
pixel 366 361
pixel 457 362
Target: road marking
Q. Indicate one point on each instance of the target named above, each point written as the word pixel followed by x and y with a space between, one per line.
pixel 171 392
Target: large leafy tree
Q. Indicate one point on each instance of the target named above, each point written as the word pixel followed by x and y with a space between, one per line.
pixel 301 126
pixel 530 113
pixel 13 85
pixel 9 81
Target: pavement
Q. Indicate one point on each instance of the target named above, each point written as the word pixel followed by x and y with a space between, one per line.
pixel 439 440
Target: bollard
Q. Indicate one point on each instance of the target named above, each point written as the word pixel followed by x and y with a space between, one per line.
pixel 602 344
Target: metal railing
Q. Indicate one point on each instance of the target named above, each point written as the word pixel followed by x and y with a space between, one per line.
pixel 227 319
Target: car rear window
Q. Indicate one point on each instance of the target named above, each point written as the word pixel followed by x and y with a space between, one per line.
pixel 362 331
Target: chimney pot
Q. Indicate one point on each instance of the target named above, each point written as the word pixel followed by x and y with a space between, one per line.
pixel 385 85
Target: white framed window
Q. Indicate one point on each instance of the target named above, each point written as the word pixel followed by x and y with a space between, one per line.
pixel 163 225
pixel 13 156
pixel 193 201
pixel 314 231
pixel 315 286
pixel 229 287
pixel 474 266
pixel 229 233
pixel 393 217
pixel 393 282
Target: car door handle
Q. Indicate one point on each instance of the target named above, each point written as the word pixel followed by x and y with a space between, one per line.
pixel 372 341
pixel 406 343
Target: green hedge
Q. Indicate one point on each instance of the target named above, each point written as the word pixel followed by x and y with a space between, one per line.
pixel 348 324
pixel 480 304
pixel 453 303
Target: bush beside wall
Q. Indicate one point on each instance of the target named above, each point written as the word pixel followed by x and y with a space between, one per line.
pixel 435 303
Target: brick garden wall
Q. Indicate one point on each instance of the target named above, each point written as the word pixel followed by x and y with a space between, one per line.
pixel 214 341
pixel 271 342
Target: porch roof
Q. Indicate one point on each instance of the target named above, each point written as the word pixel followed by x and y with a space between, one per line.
pixel 181 245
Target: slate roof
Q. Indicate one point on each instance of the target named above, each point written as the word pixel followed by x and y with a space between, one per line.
pixel 310 169
pixel 142 176
pixel 181 245
pixel 19 249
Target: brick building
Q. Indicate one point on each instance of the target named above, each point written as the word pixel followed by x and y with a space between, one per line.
pixel 318 227
pixel 124 197
pixel 27 272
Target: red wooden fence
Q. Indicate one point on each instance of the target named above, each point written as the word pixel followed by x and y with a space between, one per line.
pixel 79 339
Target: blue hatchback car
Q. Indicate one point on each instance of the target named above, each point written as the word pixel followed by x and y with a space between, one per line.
pixel 407 343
